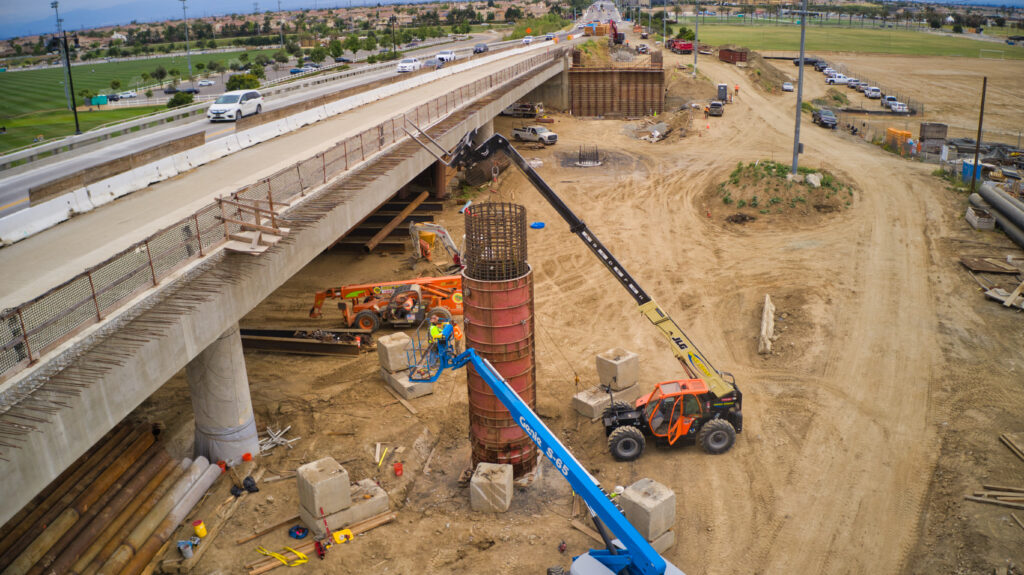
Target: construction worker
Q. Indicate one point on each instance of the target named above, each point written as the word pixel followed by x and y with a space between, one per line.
pixel 707 111
pixel 736 90
pixel 436 330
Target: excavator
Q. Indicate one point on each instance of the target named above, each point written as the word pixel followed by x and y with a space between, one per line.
pixel 705 407
pixel 423 232
pixel 629 553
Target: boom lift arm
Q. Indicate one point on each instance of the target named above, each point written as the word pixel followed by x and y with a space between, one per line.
pixel 690 357
pixel 635 555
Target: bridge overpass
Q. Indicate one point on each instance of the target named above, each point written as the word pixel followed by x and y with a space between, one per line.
pixel 80 350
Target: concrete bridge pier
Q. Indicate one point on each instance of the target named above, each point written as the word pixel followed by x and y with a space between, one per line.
pixel 485 131
pixel 225 424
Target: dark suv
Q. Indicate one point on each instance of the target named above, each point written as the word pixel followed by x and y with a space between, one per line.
pixel 825 118
pixel 480 48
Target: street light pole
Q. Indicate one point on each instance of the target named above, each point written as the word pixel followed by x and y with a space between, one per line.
pixel 280 23
pixel 696 35
pixel 67 69
pixel 799 91
pixel 63 52
pixel 188 51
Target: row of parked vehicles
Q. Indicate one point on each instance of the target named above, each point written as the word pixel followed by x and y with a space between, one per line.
pixel 834 78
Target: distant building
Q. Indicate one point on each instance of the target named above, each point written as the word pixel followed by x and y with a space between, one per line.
pixel 118 36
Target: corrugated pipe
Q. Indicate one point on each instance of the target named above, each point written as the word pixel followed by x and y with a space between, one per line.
pixel 133 542
pixel 55 490
pixel 163 532
pixel 112 526
pixel 70 516
pixel 1012 230
pixel 76 541
pixel 21 536
pixel 148 504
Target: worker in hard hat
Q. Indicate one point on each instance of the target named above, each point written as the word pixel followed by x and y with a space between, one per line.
pixel 436 330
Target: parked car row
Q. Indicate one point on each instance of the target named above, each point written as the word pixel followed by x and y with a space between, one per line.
pixel 835 78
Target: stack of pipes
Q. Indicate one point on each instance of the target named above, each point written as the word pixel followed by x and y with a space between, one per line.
pixel 110 512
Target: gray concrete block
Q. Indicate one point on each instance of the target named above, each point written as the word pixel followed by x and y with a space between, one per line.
pixel 391 351
pixel 650 507
pixel 362 508
pixel 490 489
pixel 664 542
pixel 323 483
pixel 618 368
pixel 593 401
pixel 399 381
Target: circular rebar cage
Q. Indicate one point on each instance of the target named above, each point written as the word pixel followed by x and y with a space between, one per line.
pixel 495 241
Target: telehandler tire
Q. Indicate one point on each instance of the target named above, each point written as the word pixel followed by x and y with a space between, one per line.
pixel 615 406
pixel 367 319
pixel 717 436
pixel 626 443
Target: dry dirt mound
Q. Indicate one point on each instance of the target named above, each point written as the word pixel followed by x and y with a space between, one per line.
pixel 761 72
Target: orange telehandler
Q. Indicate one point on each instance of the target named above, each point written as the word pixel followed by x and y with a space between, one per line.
pixel 400 304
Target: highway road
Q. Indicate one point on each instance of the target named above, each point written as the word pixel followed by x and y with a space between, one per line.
pixel 48 258
pixel 15 183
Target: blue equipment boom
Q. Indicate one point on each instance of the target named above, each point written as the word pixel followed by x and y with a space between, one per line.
pixel 636 556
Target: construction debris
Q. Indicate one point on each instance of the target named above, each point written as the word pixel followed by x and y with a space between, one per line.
pixel 764 342
pixel 276 438
pixel 1009 442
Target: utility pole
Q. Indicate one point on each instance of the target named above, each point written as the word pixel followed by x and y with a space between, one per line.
pixel 696 35
pixel 799 91
pixel 188 52
pixel 976 171
pixel 63 53
pixel 67 70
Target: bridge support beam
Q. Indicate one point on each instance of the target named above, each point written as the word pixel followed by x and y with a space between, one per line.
pixel 225 424
pixel 485 131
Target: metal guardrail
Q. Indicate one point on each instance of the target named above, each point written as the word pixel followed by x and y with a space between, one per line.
pixel 33 328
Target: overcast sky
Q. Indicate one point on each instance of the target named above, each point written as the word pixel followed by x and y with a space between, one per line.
pixel 21 17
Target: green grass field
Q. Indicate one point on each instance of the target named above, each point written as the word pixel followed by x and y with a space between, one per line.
pixel 33 91
pixel 834 39
pixel 52 124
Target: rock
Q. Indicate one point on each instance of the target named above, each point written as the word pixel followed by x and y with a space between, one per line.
pixel 814 180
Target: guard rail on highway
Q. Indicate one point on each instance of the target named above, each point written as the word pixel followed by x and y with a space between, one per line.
pixel 30 330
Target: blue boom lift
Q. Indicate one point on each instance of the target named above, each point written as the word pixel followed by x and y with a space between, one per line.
pixel 630 554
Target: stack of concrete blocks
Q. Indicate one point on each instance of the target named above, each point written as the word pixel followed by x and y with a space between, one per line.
pixel 324 485
pixel 392 352
pixel 617 368
pixel 651 508
pixel 490 489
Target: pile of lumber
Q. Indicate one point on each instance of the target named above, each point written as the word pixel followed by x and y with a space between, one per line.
pixel 1001 495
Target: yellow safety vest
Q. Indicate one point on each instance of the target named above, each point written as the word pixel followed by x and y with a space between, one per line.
pixel 435 332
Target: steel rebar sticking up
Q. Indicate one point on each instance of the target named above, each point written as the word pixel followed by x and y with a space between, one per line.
pixel 495 241
pixel 588 157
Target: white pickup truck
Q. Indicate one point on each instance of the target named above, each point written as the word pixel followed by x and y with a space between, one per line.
pixel 535 134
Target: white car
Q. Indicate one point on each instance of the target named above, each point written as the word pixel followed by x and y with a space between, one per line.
pixel 527 39
pixel 787 86
pixel 128 94
pixel 446 55
pixel 231 106
pixel 899 107
pixel 409 65
pixel 873 92
pixel 206 82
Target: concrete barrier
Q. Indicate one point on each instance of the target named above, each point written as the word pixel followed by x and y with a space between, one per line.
pixel 33 220
pixel 78 201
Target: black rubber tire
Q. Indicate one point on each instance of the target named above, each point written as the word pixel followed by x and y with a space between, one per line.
pixel 259 108
pixel 516 137
pixel 440 312
pixel 626 443
pixel 556 571
pixel 615 406
pixel 238 115
pixel 717 436
pixel 367 319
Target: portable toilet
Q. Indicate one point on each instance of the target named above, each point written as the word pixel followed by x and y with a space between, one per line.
pixel 723 92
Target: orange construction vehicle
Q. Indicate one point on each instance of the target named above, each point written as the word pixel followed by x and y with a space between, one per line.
pixel 399 304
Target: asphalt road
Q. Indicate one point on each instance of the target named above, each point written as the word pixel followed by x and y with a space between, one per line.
pixel 15 184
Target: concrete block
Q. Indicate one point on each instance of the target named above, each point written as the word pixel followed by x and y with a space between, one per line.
pixel 323 484
pixel 490 489
pixel 650 507
pixel 592 402
pixel 399 382
pixel 368 500
pixel 391 351
pixel 618 368
pixel 664 542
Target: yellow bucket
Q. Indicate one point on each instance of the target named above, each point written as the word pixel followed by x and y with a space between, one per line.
pixel 199 527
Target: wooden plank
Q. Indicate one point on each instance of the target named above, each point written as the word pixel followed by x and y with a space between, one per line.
pixel 1005 438
pixel 1017 519
pixel 764 342
pixel 1003 488
pixel 994 502
pixel 987 265
pixel 308 549
pixel 1013 296
pixel 401 400
pixel 262 532
pixel 587 531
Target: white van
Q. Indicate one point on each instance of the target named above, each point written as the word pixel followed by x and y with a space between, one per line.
pixel 873 92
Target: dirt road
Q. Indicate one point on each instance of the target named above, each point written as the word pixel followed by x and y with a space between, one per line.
pixel 880 409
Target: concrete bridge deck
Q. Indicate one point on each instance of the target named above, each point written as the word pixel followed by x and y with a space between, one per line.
pixel 115 364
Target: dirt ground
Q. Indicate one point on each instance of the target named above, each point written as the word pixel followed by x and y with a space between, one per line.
pixel 881 408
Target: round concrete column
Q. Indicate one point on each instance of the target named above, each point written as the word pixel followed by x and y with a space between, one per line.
pixel 484 132
pixel 225 425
